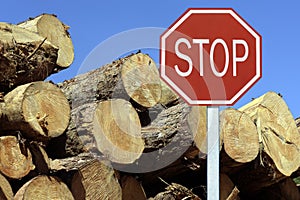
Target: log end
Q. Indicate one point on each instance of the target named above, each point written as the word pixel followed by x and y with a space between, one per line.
pixel 44 187
pixel 15 158
pixel 141 80
pixel 239 135
pixel 118 131
pixel 45 109
pixel 50 27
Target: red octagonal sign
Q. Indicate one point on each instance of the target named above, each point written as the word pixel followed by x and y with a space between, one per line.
pixel 210 56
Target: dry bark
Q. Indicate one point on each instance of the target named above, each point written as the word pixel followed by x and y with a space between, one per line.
pixel 111 81
pixel 15 158
pixel 50 27
pixel 176 191
pixel 24 57
pixel 6 192
pixel 277 131
pixel 39 110
pixel 44 187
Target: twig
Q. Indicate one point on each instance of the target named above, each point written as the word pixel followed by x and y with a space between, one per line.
pixel 30 56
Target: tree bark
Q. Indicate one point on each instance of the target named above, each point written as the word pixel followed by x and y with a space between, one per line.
pixel 15 158
pixel 133 77
pixel 117 80
pixel 176 191
pixel 277 131
pixel 50 27
pixel 39 110
pixel 132 189
pixel 44 187
pixel 24 57
pixel 6 192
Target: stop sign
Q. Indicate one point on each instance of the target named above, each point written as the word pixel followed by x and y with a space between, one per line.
pixel 210 56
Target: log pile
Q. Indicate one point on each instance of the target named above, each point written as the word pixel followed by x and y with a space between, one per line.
pixel 119 132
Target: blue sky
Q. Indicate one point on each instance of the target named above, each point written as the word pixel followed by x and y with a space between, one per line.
pixel 93 22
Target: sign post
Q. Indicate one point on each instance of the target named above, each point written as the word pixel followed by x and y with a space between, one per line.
pixel 213 157
pixel 211 57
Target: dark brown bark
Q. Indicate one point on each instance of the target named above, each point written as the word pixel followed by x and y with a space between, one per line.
pixel 24 57
pixel 111 81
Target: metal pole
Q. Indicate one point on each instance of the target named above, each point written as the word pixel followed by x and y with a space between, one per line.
pixel 213 157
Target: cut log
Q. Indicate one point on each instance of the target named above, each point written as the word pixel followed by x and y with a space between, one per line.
pixel 6 192
pixel 132 189
pixel 240 137
pixel 89 177
pixel 168 96
pixel 117 80
pixel 277 131
pixel 170 153
pixel 15 158
pixel 44 187
pixel 24 57
pixel 39 109
pixel 141 80
pixel 50 27
pixel 197 120
pixel 40 158
pixel 95 181
pixel 228 191
pixel 117 131
pixel 85 91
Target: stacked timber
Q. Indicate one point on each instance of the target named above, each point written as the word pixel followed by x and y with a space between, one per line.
pixel 119 132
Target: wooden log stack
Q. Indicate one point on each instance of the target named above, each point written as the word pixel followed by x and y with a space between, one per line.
pixel 119 132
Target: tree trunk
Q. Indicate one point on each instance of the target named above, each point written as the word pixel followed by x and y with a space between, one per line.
pixel 89 177
pixel 24 57
pixel 127 78
pixel 277 131
pixel 95 181
pixel 48 26
pixel 15 158
pixel 6 192
pixel 133 77
pixel 132 189
pixel 39 110
pixel 44 187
